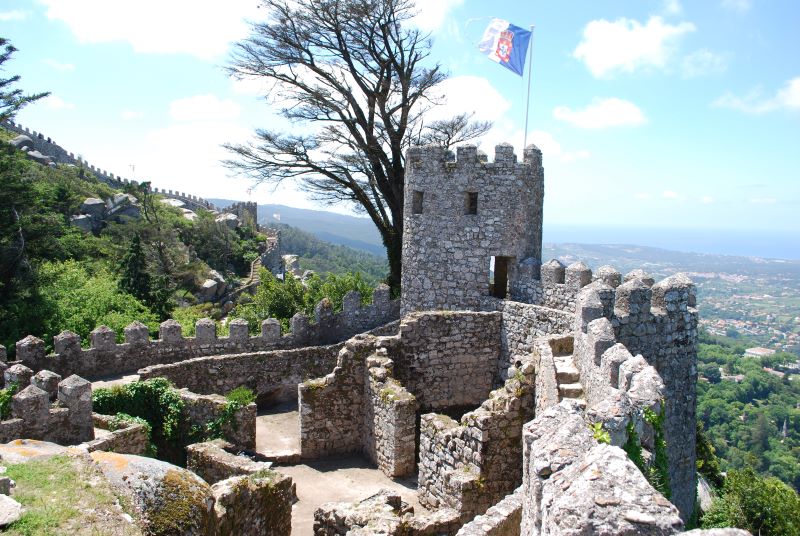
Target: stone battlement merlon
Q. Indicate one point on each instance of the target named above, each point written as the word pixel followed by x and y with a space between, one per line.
pixel 105 356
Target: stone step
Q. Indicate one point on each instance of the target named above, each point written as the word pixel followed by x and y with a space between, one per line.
pixel 570 390
pixel 566 372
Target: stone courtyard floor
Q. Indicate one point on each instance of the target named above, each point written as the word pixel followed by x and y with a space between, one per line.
pixel 340 480
pixel 347 479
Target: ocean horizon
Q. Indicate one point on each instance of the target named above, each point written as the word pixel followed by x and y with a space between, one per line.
pixel 744 243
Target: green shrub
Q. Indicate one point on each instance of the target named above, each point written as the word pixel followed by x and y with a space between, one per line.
pixel 5 400
pixel 764 506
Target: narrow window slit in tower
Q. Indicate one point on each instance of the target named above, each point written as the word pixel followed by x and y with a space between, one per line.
pixel 416 202
pixel 471 203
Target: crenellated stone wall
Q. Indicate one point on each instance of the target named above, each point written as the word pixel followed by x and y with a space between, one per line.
pixel 48 408
pixel 657 322
pixel 460 212
pixel 105 357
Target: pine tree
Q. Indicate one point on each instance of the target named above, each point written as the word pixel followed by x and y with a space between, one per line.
pixel 12 100
pixel 135 280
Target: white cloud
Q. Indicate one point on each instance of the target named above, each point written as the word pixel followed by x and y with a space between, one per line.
pixel 55 102
pixel 703 62
pixel 470 94
pixel 672 7
pixel 627 45
pixel 602 113
pixel 58 66
pixel 643 196
pixel 204 108
pixel 669 194
pixel 14 15
pixel 736 5
pixel 707 199
pixel 130 115
pixel 202 29
pixel 786 98
pixel 763 200
pixel 432 15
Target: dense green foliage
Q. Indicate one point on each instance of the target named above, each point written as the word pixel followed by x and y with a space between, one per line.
pixel 753 423
pixel 55 277
pixel 156 403
pixel 283 299
pixel 764 506
pixel 324 257
pixel 154 400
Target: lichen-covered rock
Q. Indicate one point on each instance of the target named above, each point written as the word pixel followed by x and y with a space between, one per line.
pixel 171 500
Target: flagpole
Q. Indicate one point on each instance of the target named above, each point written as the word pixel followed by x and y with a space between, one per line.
pixel 528 98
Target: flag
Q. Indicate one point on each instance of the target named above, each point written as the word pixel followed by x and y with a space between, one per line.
pixel 506 44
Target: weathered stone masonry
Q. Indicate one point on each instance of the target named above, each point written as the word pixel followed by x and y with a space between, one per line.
pixel 459 214
pixel 105 357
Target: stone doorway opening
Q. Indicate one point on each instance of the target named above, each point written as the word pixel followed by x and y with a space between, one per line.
pixel 498 276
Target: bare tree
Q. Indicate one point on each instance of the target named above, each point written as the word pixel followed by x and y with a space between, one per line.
pixel 354 74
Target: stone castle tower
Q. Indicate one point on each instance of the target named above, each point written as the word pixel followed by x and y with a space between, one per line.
pixel 466 219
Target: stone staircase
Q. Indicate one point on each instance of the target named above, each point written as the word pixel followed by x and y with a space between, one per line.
pixel 568 378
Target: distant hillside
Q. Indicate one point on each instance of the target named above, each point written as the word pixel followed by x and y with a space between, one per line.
pixel 323 257
pixel 358 233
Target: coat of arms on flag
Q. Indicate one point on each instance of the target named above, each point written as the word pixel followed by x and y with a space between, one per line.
pixel 506 44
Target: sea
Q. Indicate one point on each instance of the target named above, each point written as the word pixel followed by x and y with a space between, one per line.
pixel 745 243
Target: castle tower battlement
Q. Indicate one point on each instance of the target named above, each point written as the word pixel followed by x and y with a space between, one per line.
pixel 466 219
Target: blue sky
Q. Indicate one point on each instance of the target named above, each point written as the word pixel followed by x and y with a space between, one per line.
pixel 649 113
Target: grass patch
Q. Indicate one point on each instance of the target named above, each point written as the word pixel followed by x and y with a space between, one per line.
pixel 61 495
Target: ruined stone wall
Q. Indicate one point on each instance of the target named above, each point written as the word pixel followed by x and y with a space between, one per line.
pixel 502 519
pixel 447 249
pixel 272 376
pixel 390 414
pixel 105 357
pixel 448 359
pixel 472 464
pixel 48 408
pixel 259 504
pixel 216 460
pixel 522 324
pixel 573 485
pixel 201 409
pixel 123 437
pixel 332 407
pixel 659 322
